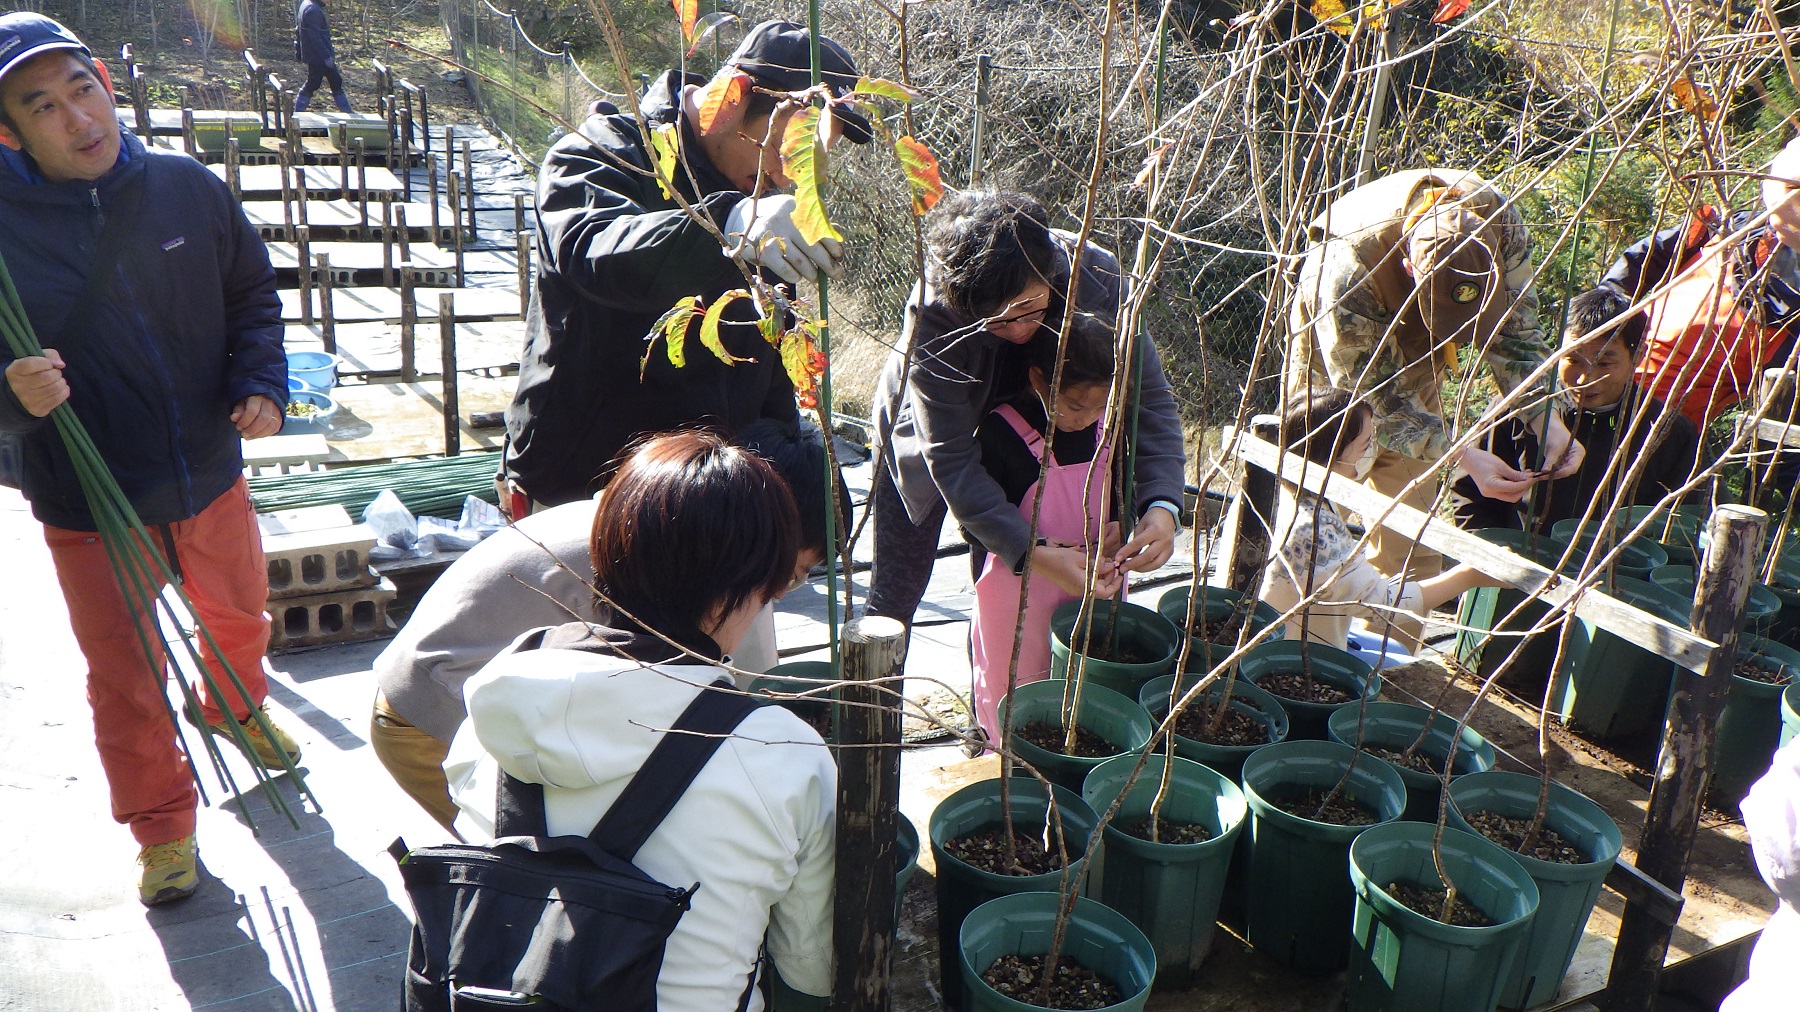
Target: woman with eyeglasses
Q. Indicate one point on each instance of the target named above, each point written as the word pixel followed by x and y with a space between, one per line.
pixel 997 279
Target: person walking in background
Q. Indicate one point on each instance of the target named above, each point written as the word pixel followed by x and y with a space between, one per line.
pixel 156 299
pixel 312 46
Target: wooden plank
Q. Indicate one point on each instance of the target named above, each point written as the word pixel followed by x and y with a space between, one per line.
pixel 373 349
pixel 383 421
pixel 1657 635
pixel 360 304
pixel 1774 430
pixel 302 449
pixel 263 182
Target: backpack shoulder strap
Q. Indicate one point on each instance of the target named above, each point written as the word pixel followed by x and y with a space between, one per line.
pixel 519 808
pixel 672 766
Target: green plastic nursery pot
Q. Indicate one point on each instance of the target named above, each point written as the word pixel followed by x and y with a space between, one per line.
pixel 1022 924
pixel 1612 687
pixel 1760 610
pixel 1329 664
pixel 1784 581
pixel 1679 537
pixel 1566 892
pixel 1118 719
pixel 1749 729
pixel 1246 698
pixel 1636 559
pixel 1397 726
pixel 1790 712
pixel 1484 611
pixel 1169 890
pixel 783 998
pixel 803 676
pixel 1301 898
pixel 1141 634
pixel 961 887
pixel 1406 962
pixel 1215 604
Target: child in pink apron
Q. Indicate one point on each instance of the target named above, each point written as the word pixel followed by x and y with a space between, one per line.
pixel 1077 499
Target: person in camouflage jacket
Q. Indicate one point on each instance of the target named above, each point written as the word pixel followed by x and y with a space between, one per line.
pixel 1402 271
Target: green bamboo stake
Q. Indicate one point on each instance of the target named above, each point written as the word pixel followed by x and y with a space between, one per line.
pixel 125 538
pixel 825 402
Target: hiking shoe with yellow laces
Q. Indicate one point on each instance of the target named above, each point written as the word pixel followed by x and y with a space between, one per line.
pixel 167 871
pixel 266 750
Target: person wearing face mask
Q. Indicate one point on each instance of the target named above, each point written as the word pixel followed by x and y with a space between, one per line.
pixel 997 280
pixel 1314 552
pixel 1078 497
pixel 1732 298
pixel 1403 272
pixel 1622 425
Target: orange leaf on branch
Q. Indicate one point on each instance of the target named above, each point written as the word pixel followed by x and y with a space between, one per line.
pixel 718 95
pixel 1449 10
pixel 689 12
pixel 804 362
pixel 921 168
pixel 1694 99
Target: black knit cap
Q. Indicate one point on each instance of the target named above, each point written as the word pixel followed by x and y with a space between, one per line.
pixel 778 54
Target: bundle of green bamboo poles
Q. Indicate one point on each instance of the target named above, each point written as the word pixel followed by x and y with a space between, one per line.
pixel 142 572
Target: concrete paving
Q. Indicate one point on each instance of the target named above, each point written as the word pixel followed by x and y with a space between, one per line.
pixel 311 918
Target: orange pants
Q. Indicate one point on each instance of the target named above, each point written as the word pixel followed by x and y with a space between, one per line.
pixel 220 559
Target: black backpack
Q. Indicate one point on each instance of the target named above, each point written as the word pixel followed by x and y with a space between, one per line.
pixel 559 922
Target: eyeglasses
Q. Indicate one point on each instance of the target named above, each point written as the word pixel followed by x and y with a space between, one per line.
pixel 1035 316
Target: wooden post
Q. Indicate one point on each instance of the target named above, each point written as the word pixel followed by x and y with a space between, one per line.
pixel 387 238
pixel 431 175
pixel 469 188
pixel 405 240
pixel 409 324
pixel 327 323
pixel 188 143
pixel 1683 768
pixel 447 346
pixel 1255 512
pixel 233 178
pixel 405 166
pixel 456 232
pixel 868 808
pixel 303 260
pixel 518 212
pixel 288 225
pixel 362 181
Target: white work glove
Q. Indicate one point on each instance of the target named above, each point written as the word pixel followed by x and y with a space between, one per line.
pixel 773 240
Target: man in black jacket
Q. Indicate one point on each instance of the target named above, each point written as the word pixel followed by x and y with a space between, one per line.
pixel 156 303
pixel 615 252
pixel 312 46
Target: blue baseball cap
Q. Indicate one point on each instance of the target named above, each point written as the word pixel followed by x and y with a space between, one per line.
pixel 24 35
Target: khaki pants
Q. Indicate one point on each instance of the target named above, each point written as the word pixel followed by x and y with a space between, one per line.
pixel 1389 550
pixel 414 759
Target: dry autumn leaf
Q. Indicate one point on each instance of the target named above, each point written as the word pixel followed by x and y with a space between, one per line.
pixel 1694 99
pixel 709 326
pixel 1449 10
pixel 688 11
pixel 921 168
pixel 737 86
pixel 802 158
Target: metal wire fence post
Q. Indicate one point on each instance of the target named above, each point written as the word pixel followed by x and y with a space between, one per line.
pixel 984 69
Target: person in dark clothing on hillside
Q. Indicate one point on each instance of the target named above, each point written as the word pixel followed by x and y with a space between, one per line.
pixel 1615 419
pixel 156 302
pixel 615 253
pixel 312 46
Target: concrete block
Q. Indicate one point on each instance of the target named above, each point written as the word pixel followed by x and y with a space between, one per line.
pixel 305 563
pixel 343 617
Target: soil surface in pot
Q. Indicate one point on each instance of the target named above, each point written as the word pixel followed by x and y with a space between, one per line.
pixel 1237 728
pixel 1051 738
pixel 1754 668
pixel 1073 986
pixel 1296 686
pixel 1341 810
pixel 1167 832
pixel 1418 762
pixel 1124 652
pixel 1218 630
pixel 984 849
pixel 302 409
pixel 1430 903
pixel 1550 845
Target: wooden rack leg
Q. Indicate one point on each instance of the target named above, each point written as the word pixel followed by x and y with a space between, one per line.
pixel 327 320
pixel 409 324
pixel 303 260
pixel 447 344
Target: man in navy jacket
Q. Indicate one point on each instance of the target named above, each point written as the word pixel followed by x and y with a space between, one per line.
pixel 156 306
pixel 312 46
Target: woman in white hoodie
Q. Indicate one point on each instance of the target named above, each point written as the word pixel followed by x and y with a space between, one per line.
pixel 691 539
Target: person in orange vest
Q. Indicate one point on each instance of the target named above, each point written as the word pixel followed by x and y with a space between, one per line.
pixel 1732 297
